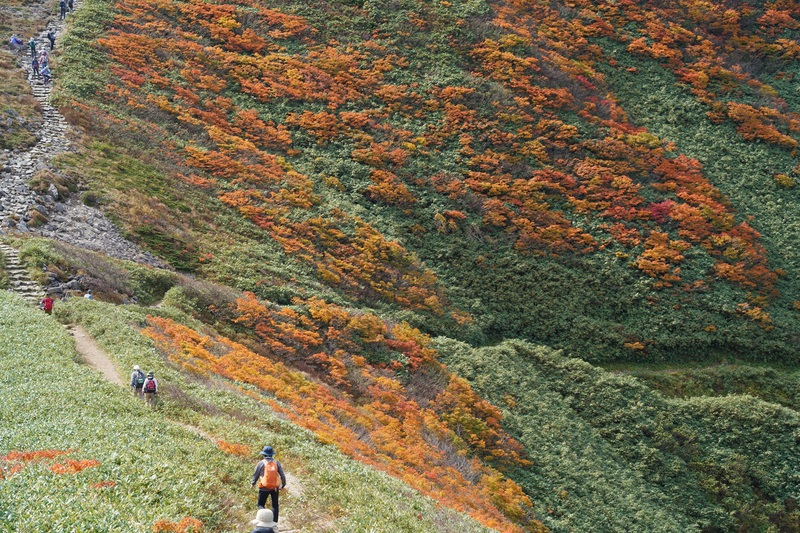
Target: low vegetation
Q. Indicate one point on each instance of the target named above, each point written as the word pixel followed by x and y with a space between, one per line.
pixel 608 452
pixel 336 184
pixel 101 461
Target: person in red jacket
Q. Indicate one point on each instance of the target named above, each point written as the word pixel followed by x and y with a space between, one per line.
pixel 47 305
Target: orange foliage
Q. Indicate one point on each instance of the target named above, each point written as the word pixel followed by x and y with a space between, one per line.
pixel 187 524
pixel 386 428
pixel 73 467
pixel 15 461
pixel 234 449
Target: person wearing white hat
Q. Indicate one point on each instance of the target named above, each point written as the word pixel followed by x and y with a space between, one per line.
pixel 137 381
pixel 264 522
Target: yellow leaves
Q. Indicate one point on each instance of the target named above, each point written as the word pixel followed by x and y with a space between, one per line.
pixel 756 314
pixel 784 181
pixel 228 22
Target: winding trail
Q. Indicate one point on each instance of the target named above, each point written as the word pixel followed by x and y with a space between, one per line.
pixel 18 199
pixel 94 356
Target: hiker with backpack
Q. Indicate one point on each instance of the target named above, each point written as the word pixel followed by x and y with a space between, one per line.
pixel 46 305
pixel 270 478
pixel 32 44
pixel 150 389
pixel 264 522
pixel 137 381
pixel 51 36
pixel 62 5
pixel 35 66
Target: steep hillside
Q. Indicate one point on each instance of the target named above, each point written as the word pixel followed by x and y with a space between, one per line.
pixel 81 454
pixel 601 450
pixel 609 454
pixel 337 184
pixel 612 179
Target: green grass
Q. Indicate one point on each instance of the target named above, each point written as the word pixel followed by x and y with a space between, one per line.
pixel 161 468
pixel 608 452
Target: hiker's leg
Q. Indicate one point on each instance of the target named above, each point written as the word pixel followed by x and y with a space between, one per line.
pixel 262 498
pixel 274 495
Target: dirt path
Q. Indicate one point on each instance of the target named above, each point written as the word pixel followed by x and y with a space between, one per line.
pixel 293 486
pixel 94 356
pixel 97 358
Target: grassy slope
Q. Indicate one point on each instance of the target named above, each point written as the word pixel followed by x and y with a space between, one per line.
pixel 591 305
pixel 162 470
pixel 610 452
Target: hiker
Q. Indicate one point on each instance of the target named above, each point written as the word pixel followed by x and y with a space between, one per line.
pixel 44 59
pixel 89 295
pixel 32 44
pixel 150 389
pixel 46 305
pixel 71 5
pixel 137 381
pixel 62 5
pixel 45 74
pixel 264 522
pixel 52 38
pixel 35 66
pixel 270 478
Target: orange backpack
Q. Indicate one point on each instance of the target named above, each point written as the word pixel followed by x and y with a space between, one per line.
pixel 270 480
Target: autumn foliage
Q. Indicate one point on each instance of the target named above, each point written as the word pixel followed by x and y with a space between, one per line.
pixel 187 524
pixel 310 134
pixel 430 430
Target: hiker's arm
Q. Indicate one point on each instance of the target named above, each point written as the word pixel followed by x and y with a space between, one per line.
pixel 283 476
pixel 258 473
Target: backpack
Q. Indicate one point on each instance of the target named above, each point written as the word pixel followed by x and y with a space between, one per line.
pixel 270 480
pixel 47 304
pixel 139 379
pixel 150 385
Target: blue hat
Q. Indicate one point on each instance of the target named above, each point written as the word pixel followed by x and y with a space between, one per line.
pixel 267 451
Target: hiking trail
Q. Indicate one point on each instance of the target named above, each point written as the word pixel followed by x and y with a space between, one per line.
pixel 19 280
pixel 48 214
pixel 94 356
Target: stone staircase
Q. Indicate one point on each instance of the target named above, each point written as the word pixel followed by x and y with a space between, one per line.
pixel 21 283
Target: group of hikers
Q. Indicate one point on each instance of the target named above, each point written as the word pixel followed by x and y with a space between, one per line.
pixel 40 62
pixel 144 386
pixel 40 65
pixel 268 475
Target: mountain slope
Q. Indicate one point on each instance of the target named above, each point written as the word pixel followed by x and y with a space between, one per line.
pixel 603 178
pixel 434 194
pixel 609 453
pixel 85 455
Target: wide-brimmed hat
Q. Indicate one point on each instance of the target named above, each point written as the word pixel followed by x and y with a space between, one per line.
pixel 267 451
pixel 264 519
